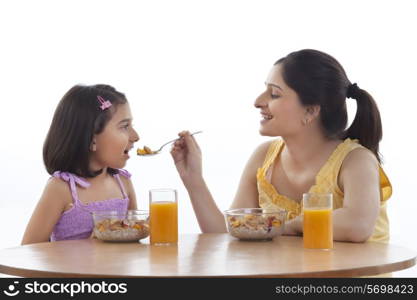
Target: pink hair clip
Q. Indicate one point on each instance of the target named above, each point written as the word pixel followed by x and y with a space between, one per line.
pixel 104 103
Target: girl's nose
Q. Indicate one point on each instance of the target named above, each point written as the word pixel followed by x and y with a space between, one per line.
pixel 135 136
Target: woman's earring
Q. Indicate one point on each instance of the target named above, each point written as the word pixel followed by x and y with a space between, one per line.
pixel 93 146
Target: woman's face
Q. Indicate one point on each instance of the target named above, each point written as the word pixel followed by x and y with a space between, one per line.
pixel 281 111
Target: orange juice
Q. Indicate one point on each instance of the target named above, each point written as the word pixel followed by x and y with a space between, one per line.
pixel 163 222
pixel 318 228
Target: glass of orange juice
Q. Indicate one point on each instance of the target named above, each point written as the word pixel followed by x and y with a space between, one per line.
pixel 163 210
pixel 318 221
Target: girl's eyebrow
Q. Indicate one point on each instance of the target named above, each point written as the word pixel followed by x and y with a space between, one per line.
pixel 274 85
pixel 125 120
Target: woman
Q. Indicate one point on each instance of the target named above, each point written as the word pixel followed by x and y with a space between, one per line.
pixel 304 103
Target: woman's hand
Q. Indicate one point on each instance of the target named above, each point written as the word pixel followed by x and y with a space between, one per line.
pixel 187 158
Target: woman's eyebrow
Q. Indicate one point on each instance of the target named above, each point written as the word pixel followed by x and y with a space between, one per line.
pixel 274 85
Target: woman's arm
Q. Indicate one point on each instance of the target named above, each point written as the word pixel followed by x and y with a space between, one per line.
pixel 47 212
pixel 187 158
pixel 359 180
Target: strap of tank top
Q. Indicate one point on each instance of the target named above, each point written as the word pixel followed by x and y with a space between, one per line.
pixel 124 173
pixel 117 176
pixel 272 153
pixel 72 180
pixel 331 169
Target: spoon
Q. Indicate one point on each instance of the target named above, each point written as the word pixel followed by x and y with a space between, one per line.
pixel 146 151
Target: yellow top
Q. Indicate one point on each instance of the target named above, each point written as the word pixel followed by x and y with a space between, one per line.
pixel 326 182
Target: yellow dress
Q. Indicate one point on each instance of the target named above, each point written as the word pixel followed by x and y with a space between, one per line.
pixel 326 182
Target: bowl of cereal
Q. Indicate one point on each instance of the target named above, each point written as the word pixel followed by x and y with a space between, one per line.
pixel 255 224
pixel 114 226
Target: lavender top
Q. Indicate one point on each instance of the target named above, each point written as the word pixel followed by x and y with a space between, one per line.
pixel 77 222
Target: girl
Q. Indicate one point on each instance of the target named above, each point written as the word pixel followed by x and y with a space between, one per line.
pixel 86 147
pixel 305 104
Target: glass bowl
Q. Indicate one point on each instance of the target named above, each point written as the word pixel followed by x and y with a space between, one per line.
pixel 255 224
pixel 114 226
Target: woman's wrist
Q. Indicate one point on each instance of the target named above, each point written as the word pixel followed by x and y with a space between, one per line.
pixel 194 183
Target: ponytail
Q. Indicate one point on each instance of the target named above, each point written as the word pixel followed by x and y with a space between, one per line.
pixel 367 126
pixel 319 79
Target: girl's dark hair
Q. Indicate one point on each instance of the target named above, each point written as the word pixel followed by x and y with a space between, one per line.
pixel 77 118
pixel 319 79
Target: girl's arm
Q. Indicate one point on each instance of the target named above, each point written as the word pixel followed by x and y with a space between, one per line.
pixel 187 158
pixel 53 201
pixel 359 179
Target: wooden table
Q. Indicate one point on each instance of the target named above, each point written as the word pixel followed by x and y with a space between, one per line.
pixel 203 255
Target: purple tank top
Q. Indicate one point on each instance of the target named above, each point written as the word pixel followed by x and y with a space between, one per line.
pixel 77 222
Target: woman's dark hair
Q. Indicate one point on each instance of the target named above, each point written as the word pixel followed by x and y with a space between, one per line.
pixel 77 118
pixel 319 79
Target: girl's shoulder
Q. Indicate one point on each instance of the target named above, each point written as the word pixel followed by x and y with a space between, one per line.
pixel 57 190
pixel 124 176
pixel 128 186
pixel 56 184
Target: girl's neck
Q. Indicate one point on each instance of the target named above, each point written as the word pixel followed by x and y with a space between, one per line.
pixel 103 175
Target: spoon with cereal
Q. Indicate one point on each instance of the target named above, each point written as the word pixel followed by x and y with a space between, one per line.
pixel 146 151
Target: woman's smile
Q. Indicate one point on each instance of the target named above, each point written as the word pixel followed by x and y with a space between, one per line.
pixel 265 117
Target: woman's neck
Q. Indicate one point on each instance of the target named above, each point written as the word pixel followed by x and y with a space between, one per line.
pixel 308 145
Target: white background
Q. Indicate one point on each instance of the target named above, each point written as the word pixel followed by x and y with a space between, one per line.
pixel 196 65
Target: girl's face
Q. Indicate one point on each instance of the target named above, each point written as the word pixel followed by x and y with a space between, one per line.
pixel 281 110
pixel 110 147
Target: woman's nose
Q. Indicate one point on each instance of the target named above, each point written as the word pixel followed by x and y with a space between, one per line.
pixel 260 101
